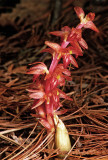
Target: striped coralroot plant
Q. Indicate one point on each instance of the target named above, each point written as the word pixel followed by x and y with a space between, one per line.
pixel 46 81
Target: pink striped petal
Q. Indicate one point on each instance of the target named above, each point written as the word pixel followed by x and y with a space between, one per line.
pixel 57 33
pixel 83 43
pixel 38 103
pixel 37 94
pixel 63 95
pixel 73 61
pixel 61 112
pixel 49 50
pixel 56 47
pixel 79 11
pixel 91 26
pixel 45 123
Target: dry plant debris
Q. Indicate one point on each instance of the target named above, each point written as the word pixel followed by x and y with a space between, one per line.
pixel 21 136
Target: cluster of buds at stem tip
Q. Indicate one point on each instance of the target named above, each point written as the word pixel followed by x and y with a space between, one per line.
pixel 46 81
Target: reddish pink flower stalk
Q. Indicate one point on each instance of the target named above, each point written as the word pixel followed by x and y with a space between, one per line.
pixel 46 82
pixel 46 93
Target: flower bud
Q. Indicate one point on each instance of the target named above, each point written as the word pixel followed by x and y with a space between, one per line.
pixel 62 140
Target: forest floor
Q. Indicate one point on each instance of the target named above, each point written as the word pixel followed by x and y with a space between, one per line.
pixel 24 28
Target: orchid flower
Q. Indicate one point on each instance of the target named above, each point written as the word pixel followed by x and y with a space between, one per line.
pixel 62 53
pixel 59 76
pixel 64 34
pixel 41 97
pixel 85 21
pixel 72 36
pixel 39 68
